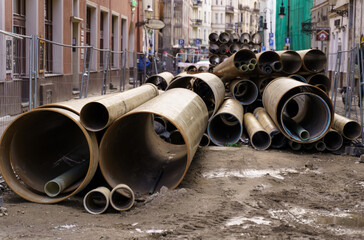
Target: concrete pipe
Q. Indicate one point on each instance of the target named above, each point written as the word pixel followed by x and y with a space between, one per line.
pixel 257 38
pixel 307 106
pixel 295 146
pixel 226 126
pixel 333 140
pixel 298 78
pixel 347 127
pixel 313 60
pixel 245 38
pixel 234 47
pixel 223 58
pixel 40 145
pixel 132 153
pixel 224 49
pixel 191 69
pixel 161 80
pixel 245 46
pixel 259 138
pixel 96 116
pixel 245 91
pixel 277 138
pixel 214 60
pixel 320 146
pixel 224 37
pixel 57 185
pixel 214 49
pixel 208 86
pixel 262 84
pixel 234 37
pixel 291 61
pixel 265 61
pixel 97 200
pixel 205 140
pixel 231 68
pixel 321 81
pixel 214 37
pixel 122 197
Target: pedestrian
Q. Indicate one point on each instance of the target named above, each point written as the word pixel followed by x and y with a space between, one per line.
pixel 142 63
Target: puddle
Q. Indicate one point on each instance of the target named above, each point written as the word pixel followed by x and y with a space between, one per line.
pixel 351 221
pixel 248 173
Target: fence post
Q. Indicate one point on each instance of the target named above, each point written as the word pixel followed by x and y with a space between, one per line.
pixel 106 66
pixel 31 59
pixel 88 72
pixel 83 72
pixel 36 59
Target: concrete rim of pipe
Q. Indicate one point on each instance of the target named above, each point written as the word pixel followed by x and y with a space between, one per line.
pixel 291 61
pixel 97 200
pixel 226 126
pixel 153 163
pixel 245 91
pixel 313 60
pixel 122 197
pixel 333 140
pixel 161 80
pixel 15 145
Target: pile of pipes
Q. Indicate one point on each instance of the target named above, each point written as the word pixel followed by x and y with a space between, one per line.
pixel 224 45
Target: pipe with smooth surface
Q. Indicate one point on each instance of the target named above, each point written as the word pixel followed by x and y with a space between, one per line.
pixel 234 47
pixel 321 81
pixel 214 60
pixel 234 37
pixel 245 91
pixel 226 126
pixel 245 38
pixel 214 48
pixel 294 145
pixel 57 185
pixel 307 105
pixel 320 146
pixel 259 138
pixel 98 115
pixel 224 37
pixel 224 49
pixel 97 200
pixel 350 129
pixel 276 66
pixel 153 163
pixel 60 138
pixel 205 140
pixel 257 38
pixel 214 37
pixel 161 80
pixel 265 61
pixel 122 197
pixel 291 61
pixel 292 125
pixel 313 60
pixel 333 140
pixel 298 78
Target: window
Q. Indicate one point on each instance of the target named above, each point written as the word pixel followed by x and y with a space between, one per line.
pixel 204 17
pixel 204 35
pixel 221 18
pixel 102 14
pixel 216 18
pixel 217 2
pixel 114 41
pixel 19 44
pixel 48 34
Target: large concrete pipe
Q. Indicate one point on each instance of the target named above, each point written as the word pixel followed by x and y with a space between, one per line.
pixel 333 140
pixel 259 138
pixel 350 129
pixel 321 81
pixel 257 38
pixel 97 115
pixel 234 37
pixel 97 200
pixel 291 61
pixel 224 37
pixel 245 38
pixel 243 90
pixel 191 69
pixel 298 78
pixel 42 144
pixel 224 49
pixel 226 126
pixel 161 80
pixel 277 138
pixel 214 37
pixel 288 101
pixel 214 60
pixel 208 86
pixel 214 49
pixel 122 197
pixel 234 47
pixel 132 153
pixel 313 60
pixel 231 68
pixel 268 62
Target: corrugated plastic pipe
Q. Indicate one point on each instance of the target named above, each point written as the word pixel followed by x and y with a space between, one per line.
pixel 259 138
pixel 97 200
pixel 132 153
pixel 122 197
pixel 350 129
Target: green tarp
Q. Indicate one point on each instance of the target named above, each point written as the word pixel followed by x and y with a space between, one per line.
pixel 300 11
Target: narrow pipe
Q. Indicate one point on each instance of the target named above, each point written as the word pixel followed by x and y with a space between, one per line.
pixel 264 61
pixel 245 91
pixel 293 126
pixel 348 128
pixel 333 140
pixel 226 126
pixel 320 146
pixel 253 61
pixel 276 66
pixel 214 60
pixel 251 66
pixel 224 37
pixel 234 47
pixel 214 48
pixel 97 115
pixel 97 200
pixel 262 84
pixel 244 67
pixel 245 38
pixel 214 37
pixel 122 197
pixel 57 185
pixel 259 138
pixel 205 140
pixel 295 145
pixel 224 49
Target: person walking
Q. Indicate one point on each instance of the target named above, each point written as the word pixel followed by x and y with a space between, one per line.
pixel 142 63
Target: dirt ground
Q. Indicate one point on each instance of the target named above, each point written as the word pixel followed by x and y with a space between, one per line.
pixel 228 193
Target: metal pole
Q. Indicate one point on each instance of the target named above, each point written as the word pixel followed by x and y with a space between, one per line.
pixel 31 59
pixel 36 58
pixel 83 72
pixel 88 73
pixel 361 83
pixel 125 59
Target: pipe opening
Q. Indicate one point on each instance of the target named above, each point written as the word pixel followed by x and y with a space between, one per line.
pixel 291 109
pixel 191 68
pixel 224 129
pixel 213 37
pixel 214 48
pixel 245 38
pixel 224 37
pixel 122 198
pixel 277 66
pixel 314 60
pixel 295 146
pixel 244 68
pixel 244 56
pixel 333 140
pixel 94 116
pixel 253 61
pixel 202 89
pixel 205 141
pixel 251 67
pixel 291 62
pixel 261 140
pixel 278 140
pixel 52 188
pixel 214 60
pixel 266 59
pixel 96 202
pixel 245 91
pixel 177 138
pixel 224 49
pixel 321 81
pixel 320 146
pixel 158 81
pixel 298 78
pixel 352 130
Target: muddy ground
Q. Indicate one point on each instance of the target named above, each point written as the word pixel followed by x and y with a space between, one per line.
pixel 228 193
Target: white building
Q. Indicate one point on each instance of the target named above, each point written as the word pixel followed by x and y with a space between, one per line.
pixel 268 12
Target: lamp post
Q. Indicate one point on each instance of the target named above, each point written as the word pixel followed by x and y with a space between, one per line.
pixel 281 15
pixel 265 22
pixel 148 14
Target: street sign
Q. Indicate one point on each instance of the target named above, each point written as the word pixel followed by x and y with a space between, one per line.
pixel 270 35
pixel 271 42
pixel 287 40
pixel 322 34
pixel 155 24
pixel 263 48
pixel 181 42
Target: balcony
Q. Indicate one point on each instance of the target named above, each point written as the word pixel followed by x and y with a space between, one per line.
pixel 229 9
pixel 196 22
pixel 244 7
pixel 256 10
pixel 229 27
pixel 196 3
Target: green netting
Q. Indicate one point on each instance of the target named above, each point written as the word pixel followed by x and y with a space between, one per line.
pixel 300 11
